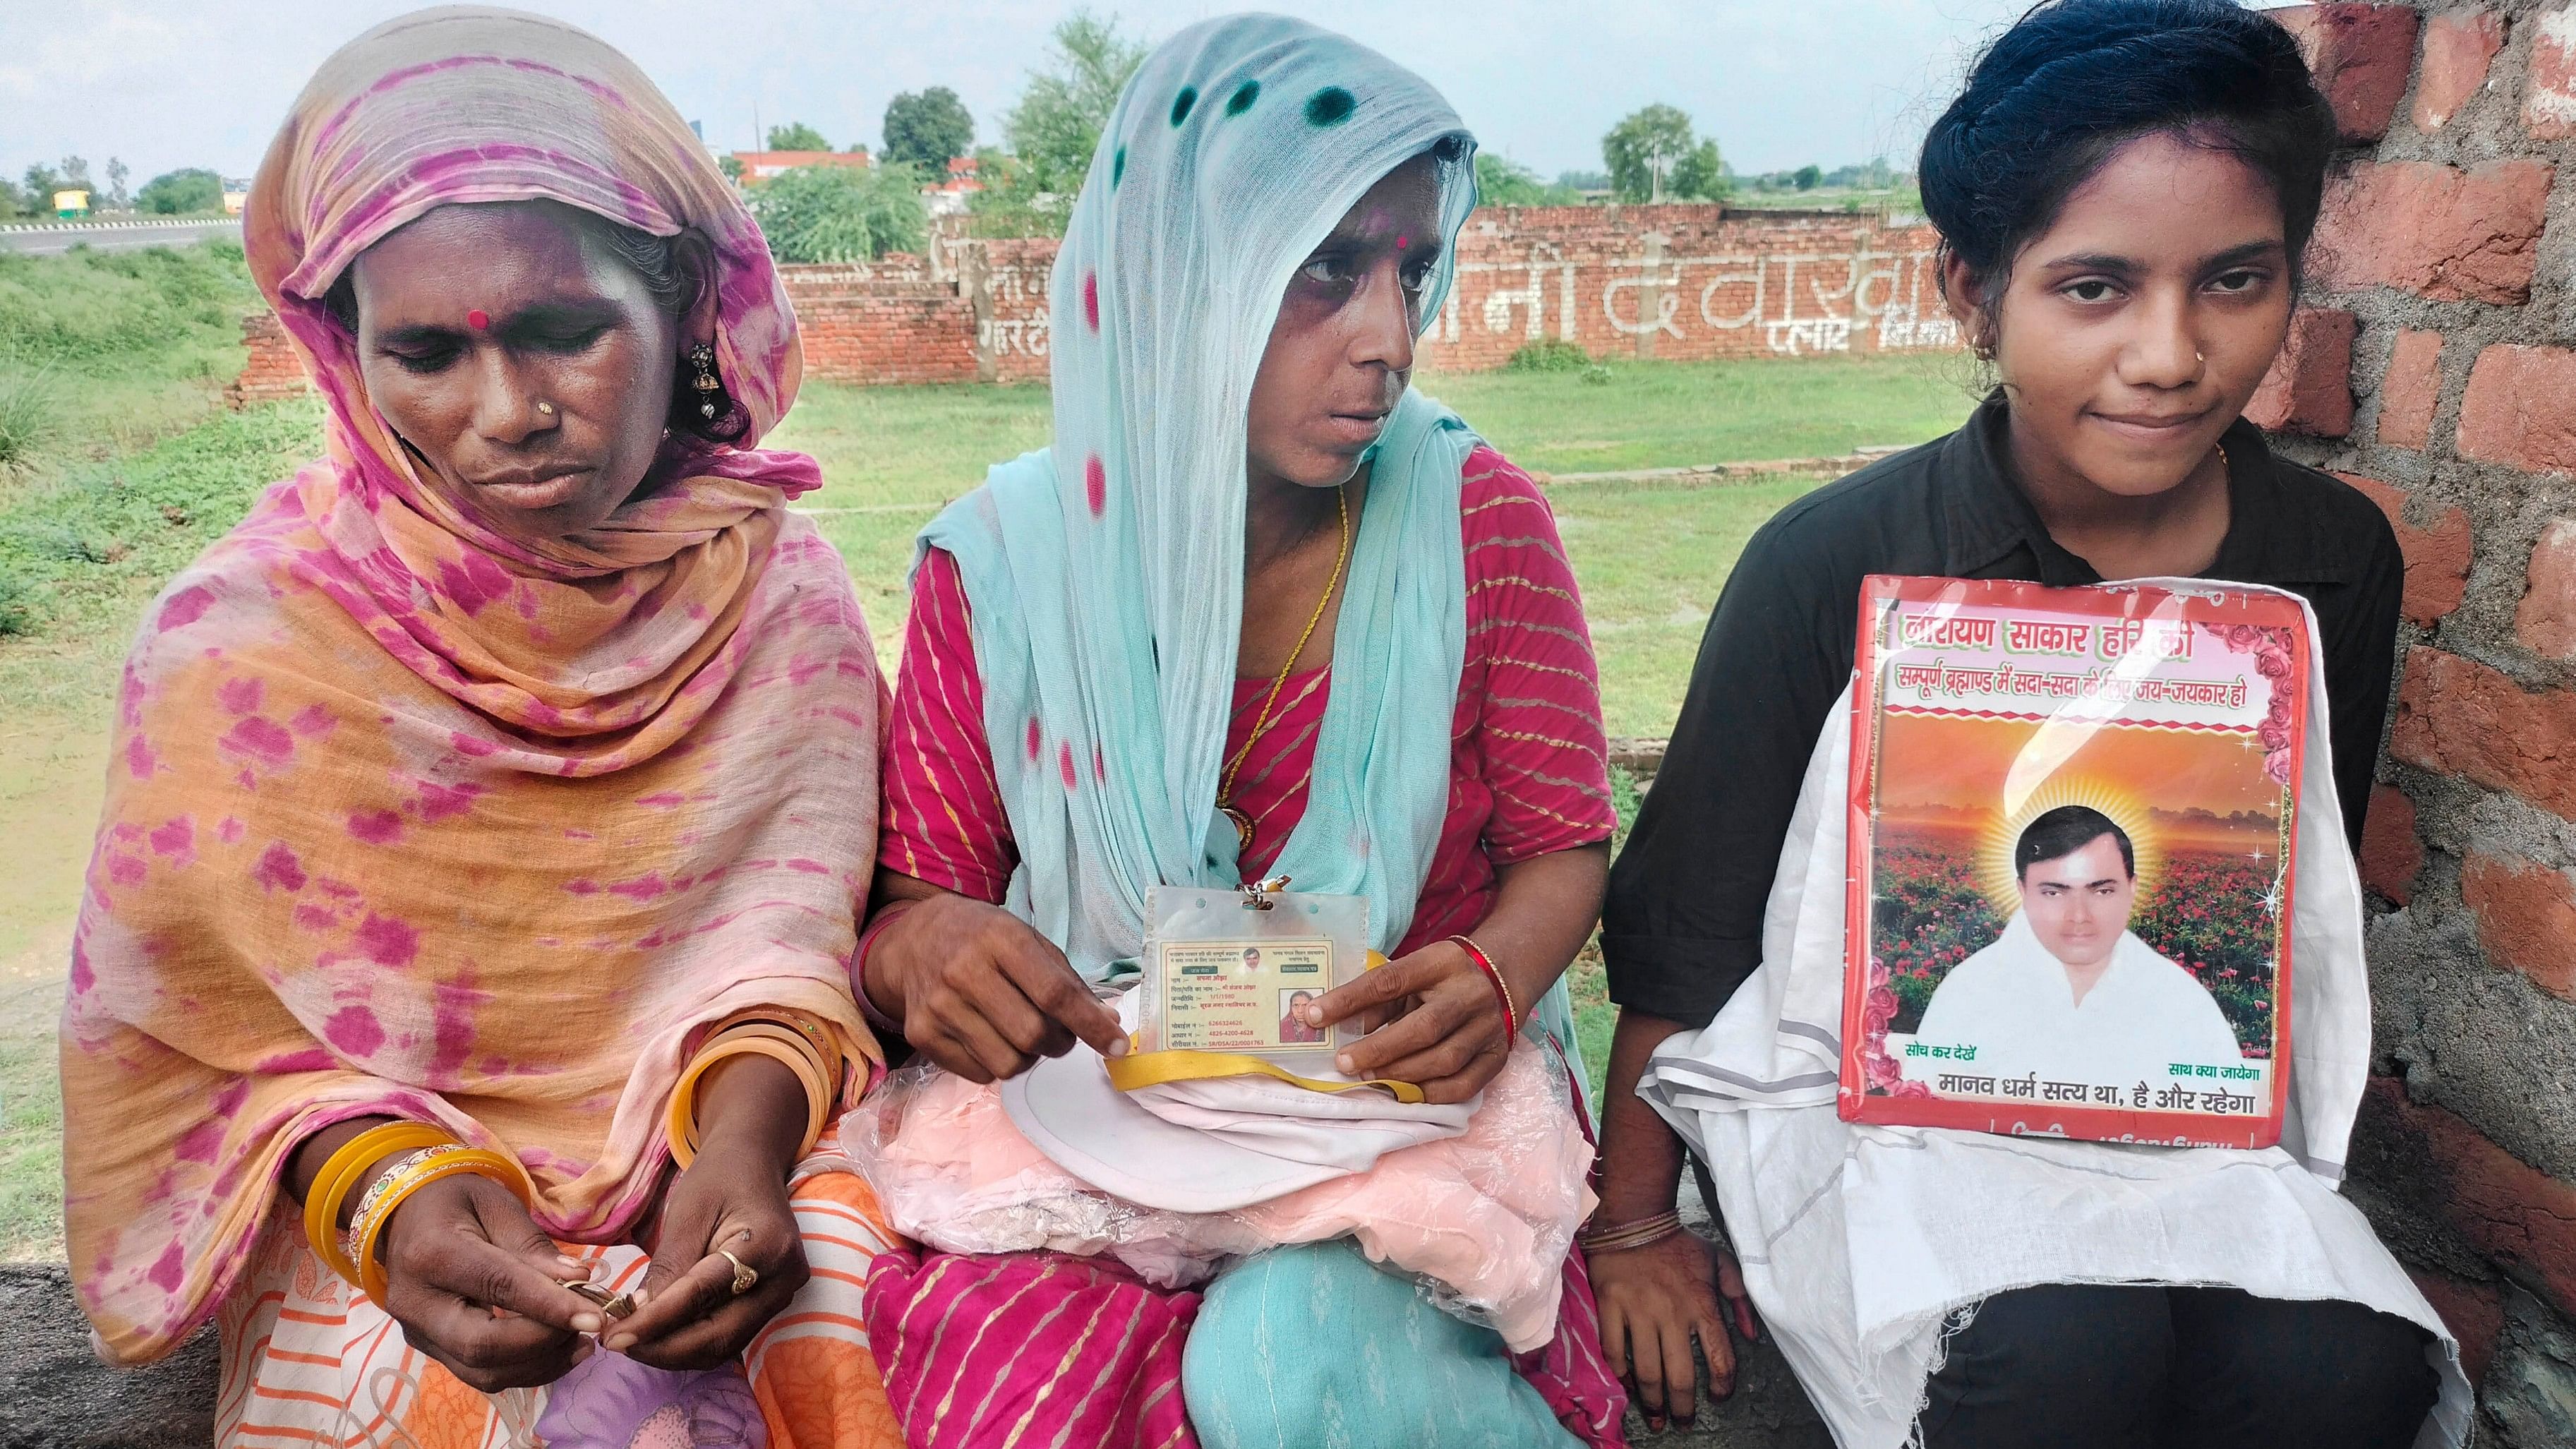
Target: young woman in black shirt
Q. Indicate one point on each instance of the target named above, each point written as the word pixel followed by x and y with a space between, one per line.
pixel 2124 192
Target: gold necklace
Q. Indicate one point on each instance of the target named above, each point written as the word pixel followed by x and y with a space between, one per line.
pixel 1261 721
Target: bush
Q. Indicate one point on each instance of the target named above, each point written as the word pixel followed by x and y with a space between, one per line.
pixel 17 606
pixel 1550 354
pixel 27 413
pixel 841 214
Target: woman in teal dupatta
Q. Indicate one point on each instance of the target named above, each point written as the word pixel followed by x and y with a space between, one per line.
pixel 1260 610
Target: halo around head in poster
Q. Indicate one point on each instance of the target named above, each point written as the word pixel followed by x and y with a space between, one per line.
pixel 2001 883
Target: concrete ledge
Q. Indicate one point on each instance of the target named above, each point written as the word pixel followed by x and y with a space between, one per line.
pixel 56 1394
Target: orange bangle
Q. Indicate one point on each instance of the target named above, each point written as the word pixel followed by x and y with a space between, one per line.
pixel 341 1171
pixel 761 1038
pixel 426 1167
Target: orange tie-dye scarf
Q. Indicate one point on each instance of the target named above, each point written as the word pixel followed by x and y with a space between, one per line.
pixel 405 819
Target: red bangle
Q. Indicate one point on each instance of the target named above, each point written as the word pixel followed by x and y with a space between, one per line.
pixel 880 1023
pixel 1502 989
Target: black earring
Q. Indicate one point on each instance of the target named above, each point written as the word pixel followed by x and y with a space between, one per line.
pixel 710 392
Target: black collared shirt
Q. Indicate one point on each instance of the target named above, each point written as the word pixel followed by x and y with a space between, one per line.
pixel 1683 925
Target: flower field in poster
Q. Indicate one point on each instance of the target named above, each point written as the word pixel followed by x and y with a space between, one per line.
pixel 2071 859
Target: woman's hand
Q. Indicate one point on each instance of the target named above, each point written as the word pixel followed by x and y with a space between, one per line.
pixel 1654 1300
pixel 977 990
pixel 479 1287
pixel 751 1114
pixel 1449 1039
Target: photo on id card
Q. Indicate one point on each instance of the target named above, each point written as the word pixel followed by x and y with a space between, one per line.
pixel 2071 854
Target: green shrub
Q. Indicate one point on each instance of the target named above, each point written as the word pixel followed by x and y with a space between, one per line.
pixel 27 417
pixel 17 606
pixel 841 213
pixel 1550 354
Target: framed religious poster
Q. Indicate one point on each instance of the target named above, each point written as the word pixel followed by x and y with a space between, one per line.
pixel 2071 859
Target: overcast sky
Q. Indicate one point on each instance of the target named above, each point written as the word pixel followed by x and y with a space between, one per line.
pixel 1779 83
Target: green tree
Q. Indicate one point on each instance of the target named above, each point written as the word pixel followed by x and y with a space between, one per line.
pixel 117 174
pixel 1056 125
pixel 42 182
pixel 1653 156
pixel 174 193
pixel 797 136
pixel 1700 173
pixel 1807 177
pixel 1501 181
pixel 841 213
pixel 928 129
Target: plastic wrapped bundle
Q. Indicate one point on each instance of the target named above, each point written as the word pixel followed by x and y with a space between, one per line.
pixel 1482 1220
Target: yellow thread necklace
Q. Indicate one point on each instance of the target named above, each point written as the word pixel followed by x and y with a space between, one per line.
pixel 1261 721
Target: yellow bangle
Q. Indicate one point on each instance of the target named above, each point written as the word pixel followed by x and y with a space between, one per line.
pixel 759 1038
pixel 415 1173
pixel 812 1065
pixel 341 1171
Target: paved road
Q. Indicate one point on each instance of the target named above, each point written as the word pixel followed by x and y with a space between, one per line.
pixel 111 236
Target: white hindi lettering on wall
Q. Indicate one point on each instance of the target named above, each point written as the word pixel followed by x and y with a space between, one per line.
pixel 1891 298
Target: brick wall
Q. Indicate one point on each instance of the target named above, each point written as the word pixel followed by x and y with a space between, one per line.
pixel 1688 281
pixel 271 370
pixel 2435 366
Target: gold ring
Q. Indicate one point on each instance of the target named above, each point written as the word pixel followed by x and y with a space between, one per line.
pixel 743 1277
pixel 611 1305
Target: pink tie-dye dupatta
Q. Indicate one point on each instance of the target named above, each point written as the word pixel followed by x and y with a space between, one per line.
pixel 405 818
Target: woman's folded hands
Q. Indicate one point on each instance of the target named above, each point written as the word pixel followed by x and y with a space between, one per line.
pixel 698 1307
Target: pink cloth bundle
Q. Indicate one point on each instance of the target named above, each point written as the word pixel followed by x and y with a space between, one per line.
pixel 1485 1218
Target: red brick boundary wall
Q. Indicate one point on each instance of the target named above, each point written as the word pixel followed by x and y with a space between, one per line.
pixel 2435 366
pixel 1695 281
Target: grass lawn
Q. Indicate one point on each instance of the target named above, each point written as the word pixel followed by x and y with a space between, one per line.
pixel 117 464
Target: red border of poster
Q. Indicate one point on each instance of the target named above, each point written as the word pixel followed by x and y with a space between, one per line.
pixel 2218 604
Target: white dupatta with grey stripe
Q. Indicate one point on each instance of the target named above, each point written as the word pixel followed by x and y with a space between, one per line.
pixel 1859 1242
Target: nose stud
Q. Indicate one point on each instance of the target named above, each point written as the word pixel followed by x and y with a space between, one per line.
pixel 545 410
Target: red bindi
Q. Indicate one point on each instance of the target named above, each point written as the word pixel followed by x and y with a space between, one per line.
pixel 1401 241
pixel 478 319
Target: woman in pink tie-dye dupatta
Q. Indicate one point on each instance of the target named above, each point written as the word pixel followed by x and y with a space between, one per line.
pixel 492 768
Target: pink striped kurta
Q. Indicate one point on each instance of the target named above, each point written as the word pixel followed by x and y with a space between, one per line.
pixel 1527 773
pixel 1528 777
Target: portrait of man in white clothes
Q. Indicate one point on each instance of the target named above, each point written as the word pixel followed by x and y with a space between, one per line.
pixel 2069 991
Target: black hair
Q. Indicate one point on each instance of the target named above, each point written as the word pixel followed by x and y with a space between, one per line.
pixel 2064 831
pixel 2074 80
pixel 673 274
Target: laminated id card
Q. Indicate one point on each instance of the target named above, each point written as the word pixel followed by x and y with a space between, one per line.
pixel 1230 972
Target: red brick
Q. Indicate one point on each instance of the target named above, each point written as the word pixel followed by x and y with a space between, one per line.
pixel 2549 96
pixel 2526 918
pixel 2506 1209
pixel 2474 1312
pixel 2437 231
pixel 2392 854
pixel 2459 45
pixel 2462 718
pixel 2309 389
pixel 2411 389
pixel 2520 409
pixel 2437 557
pixel 2546 622
pixel 2361 55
